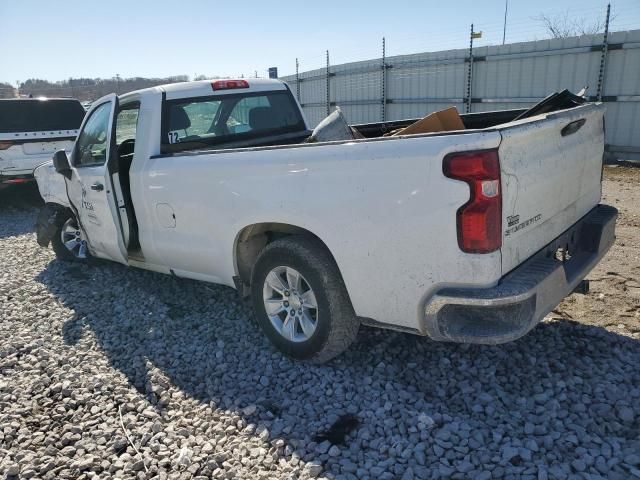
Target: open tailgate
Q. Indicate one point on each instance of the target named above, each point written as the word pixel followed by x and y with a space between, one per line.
pixel 551 167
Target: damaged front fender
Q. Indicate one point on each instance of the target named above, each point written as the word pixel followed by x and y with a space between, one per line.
pixel 48 221
pixel 51 184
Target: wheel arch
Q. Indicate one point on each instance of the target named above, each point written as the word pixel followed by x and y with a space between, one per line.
pixel 252 239
pixel 46 222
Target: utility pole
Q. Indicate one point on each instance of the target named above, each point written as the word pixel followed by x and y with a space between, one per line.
pixel 383 84
pixel 118 83
pixel 328 92
pixel 603 56
pixel 297 81
pixel 473 35
pixel 504 29
pixel 470 71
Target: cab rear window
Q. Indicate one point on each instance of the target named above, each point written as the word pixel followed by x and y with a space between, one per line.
pixel 223 119
pixel 35 115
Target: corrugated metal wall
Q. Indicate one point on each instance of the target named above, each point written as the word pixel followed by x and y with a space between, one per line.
pixel 505 76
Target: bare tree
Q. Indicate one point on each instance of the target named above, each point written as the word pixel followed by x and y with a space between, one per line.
pixel 568 25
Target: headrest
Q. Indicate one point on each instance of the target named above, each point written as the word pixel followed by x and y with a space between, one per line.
pixel 179 119
pixel 261 118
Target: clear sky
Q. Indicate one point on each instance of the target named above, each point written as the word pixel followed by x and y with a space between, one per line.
pixel 56 40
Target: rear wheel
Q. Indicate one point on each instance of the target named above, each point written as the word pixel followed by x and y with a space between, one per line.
pixel 69 242
pixel 300 300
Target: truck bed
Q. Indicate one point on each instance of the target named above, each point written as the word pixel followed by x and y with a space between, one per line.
pixel 471 121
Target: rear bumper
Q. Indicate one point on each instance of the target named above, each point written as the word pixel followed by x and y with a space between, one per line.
pixel 525 295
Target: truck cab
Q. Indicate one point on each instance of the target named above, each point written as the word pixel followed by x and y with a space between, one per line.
pixel 220 114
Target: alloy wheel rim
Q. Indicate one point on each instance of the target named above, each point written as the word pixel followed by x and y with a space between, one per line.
pixel 290 303
pixel 73 239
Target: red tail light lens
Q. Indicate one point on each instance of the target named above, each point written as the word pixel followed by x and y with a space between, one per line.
pixel 229 84
pixel 5 144
pixel 480 219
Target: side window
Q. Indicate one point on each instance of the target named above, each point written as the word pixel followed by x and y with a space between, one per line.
pixel 239 121
pixel 93 141
pixel 126 124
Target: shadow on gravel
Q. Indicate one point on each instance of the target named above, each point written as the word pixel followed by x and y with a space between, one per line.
pixel 562 386
pixel 20 197
pixel 16 199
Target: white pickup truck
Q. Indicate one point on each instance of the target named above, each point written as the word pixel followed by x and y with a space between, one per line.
pixel 466 236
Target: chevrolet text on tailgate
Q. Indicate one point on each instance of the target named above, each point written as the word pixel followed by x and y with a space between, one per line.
pixel 466 236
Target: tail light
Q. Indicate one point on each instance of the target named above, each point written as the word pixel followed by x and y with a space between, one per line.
pixel 479 220
pixel 229 84
pixel 17 180
pixel 5 144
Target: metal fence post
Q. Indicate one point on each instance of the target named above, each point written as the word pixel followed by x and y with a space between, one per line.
pixel 470 71
pixel 297 81
pixel 328 92
pixel 603 56
pixel 383 84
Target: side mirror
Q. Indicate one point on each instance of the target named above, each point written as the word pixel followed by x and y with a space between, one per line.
pixel 61 164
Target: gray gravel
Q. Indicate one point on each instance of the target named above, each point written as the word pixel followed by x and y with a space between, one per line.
pixel 202 394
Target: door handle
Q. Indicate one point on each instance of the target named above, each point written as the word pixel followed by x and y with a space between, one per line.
pixel 572 127
pixel 98 187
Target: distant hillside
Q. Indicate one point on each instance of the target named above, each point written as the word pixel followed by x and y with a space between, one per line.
pixel 89 89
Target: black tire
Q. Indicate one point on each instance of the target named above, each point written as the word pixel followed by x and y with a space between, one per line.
pixel 337 324
pixel 62 253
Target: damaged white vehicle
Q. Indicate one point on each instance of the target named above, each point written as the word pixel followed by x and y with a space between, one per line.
pixel 466 236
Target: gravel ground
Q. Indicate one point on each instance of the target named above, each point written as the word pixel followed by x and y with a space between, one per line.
pixel 109 372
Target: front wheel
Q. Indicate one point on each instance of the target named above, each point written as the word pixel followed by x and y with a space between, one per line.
pixel 68 242
pixel 300 300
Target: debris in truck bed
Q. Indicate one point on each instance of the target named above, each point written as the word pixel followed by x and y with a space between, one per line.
pixel 556 101
pixel 333 128
pixel 441 121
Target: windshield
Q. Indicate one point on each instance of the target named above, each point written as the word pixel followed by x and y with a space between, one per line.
pixel 216 120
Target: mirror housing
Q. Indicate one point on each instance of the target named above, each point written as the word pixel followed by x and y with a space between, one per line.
pixel 61 164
